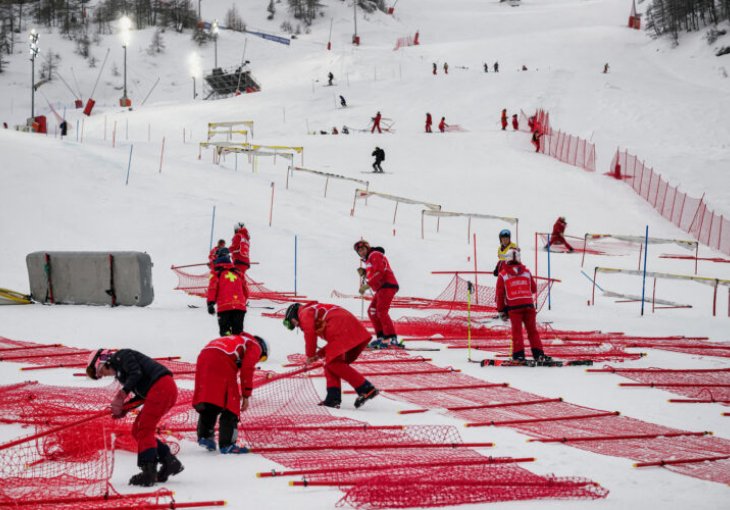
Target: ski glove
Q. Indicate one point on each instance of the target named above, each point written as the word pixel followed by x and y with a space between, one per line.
pixel 364 287
pixel 211 308
pixel 117 405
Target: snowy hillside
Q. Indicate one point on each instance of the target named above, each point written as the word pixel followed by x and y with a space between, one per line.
pixel 668 106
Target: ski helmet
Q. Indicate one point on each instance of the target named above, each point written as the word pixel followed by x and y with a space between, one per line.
pixel 362 243
pixel 97 360
pixel 264 348
pixel 291 313
pixel 505 233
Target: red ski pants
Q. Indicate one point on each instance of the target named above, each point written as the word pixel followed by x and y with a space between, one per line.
pixel 517 318
pixel 339 368
pixel 378 311
pixel 559 239
pixel 160 399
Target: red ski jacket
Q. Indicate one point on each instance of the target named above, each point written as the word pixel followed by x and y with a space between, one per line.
pixel 515 287
pixel 227 288
pixel 240 246
pixel 559 227
pixel 217 368
pixel 378 271
pixel 339 328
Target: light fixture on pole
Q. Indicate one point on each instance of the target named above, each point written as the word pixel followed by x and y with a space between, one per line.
pixel 355 37
pixel 125 24
pixel 214 29
pixel 34 49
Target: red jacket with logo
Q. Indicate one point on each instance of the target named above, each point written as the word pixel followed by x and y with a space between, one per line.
pixel 515 287
pixel 227 288
pixel 559 227
pixel 217 367
pixel 240 246
pixel 378 271
pixel 339 328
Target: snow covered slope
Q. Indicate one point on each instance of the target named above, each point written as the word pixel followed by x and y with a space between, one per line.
pixel 666 105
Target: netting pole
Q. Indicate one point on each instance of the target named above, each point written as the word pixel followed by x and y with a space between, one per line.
pixel 129 165
pixel 212 227
pixel 697 255
pixel 476 274
pixel 326 184
pixel 641 247
pixel 271 206
pixel 549 286
pixel 468 319
pixel 585 242
pixel 643 282
pixel 295 264
pixel 714 298
pixel 395 211
pixel 422 216
pixel 468 231
pixel 162 153
pixel 593 296
pixel 288 171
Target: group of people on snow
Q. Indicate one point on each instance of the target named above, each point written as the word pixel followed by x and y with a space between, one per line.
pixel 441 127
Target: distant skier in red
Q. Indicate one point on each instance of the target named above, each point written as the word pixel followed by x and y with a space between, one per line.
pixel 429 123
pixel 515 289
pixel 443 125
pixel 435 69
pixel 536 140
pixel 380 278
pixel 515 123
pixel 504 119
pixel 557 236
pixel 376 123
pixel 240 247
pixel 346 338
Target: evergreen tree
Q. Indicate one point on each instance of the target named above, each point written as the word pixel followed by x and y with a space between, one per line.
pixel 157 45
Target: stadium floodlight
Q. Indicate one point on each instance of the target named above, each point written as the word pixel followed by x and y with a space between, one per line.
pixel 34 49
pixel 125 24
pixel 214 30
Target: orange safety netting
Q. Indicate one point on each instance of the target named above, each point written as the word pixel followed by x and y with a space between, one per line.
pixel 196 284
pixel 482 403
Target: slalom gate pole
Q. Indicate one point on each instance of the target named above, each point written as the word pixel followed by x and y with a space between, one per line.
pixel 129 165
pixel 468 319
pixel 295 264
pixel 662 463
pixel 643 279
pixel 550 304
pixel 585 245
pixel 287 375
pixel 476 269
pixel 591 280
pixel 22 348
pixel 162 153
pixel 212 227
pixel 88 499
pixel 271 206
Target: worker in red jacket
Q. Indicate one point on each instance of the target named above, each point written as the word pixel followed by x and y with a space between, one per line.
pixel 240 246
pixel 228 291
pixel 376 123
pixel 219 365
pixel 379 277
pixel 429 122
pixel 346 338
pixel 536 135
pixel 515 289
pixel 515 123
pixel 557 237
pixel 443 125
pixel 504 119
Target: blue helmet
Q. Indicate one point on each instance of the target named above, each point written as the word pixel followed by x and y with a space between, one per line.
pixel 505 233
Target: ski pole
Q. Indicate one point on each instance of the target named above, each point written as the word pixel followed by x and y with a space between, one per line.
pixel 468 319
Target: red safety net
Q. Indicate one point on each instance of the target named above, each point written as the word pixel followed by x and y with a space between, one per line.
pixel 49 356
pixel 285 424
pixel 409 40
pixel 569 149
pixel 699 385
pixel 691 214
pixel 196 284
pixel 482 403
pixel 69 460
pixel 579 246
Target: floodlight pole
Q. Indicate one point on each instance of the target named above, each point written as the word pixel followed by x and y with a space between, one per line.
pixel 33 41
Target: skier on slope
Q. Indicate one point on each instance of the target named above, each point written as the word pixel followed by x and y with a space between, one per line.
pixel 486 67
pixel 435 69
pixel 446 68
pixel 505 244
pixel 343 103
pixel 379 155
pixel 216 393
pixel 330 78
pixel 228 290
pixel 515 289
pixel 496 67
pixel 515 123
pixel 151 383
pixel 443 125
pixel 557 236
pixel 240 247
pixel 376 123
pixel 429 122
pixel 346 338
pixel 504 119
pixel 380 278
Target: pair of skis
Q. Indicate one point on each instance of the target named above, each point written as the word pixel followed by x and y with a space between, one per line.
pixel 534 363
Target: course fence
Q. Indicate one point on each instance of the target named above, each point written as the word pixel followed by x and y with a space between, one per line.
pixel 688 213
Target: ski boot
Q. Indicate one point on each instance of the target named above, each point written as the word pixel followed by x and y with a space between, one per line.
pixel 365 392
